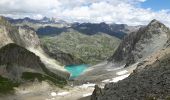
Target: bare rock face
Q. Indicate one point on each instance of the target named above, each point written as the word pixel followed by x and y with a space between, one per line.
pixel 138 45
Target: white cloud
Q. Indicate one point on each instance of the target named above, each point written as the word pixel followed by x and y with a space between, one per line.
pixel 118 11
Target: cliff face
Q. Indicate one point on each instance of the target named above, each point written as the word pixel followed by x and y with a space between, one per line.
pixel 27 38
pixel 138 45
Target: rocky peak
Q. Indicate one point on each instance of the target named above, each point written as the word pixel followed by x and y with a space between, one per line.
pixel 142 43
pixel 157 26
pixel 154 21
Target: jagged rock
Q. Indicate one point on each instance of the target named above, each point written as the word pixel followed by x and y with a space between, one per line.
pixel 138 45
pixel 97 92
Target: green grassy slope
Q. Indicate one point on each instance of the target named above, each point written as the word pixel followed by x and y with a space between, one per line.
pixel 90 48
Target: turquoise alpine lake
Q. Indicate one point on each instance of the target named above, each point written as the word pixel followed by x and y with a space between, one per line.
pixel 76 70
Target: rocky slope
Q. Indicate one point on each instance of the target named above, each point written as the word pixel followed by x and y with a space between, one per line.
pixel 16 60
pixel 20 66
pixel 27 38
pixel 150 80
pixel 138 45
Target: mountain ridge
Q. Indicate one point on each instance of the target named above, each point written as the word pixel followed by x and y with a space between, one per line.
pixel 133 46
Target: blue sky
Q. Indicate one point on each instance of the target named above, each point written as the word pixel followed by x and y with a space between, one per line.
pixel 156 4
pixel 131 12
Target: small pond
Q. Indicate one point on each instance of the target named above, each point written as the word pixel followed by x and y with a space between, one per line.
pixel 76 70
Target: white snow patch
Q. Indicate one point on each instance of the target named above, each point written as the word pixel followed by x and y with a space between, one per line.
pixel 62 93
pixel 122 72
pixel 110 67
pixel 53 94
pixel 106 81
pixel 87 85
pixel 50 99
pixel 116 79
pixel 88 94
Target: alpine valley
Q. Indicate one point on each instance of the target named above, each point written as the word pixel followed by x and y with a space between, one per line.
pixel 50 59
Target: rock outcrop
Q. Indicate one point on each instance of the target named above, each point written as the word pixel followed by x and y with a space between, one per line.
pixel 138 45
pixel 97 92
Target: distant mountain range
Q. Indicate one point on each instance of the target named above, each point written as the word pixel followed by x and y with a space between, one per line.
pixel 44 20
pixel 117 30
pixel 50 28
